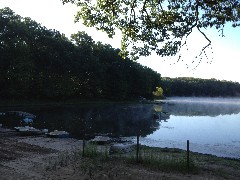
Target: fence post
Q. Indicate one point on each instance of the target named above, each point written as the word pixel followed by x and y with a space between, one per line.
pixel 84 137
pixel 83 147
pixel 137 153
pixel 188 154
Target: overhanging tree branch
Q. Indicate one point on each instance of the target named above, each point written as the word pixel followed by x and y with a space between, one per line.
pixel 154 22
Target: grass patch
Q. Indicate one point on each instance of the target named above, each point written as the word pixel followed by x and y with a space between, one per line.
pixel 94 151
pixel 160 159
pixel 97 161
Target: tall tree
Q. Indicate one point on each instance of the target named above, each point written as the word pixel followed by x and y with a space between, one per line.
pixel 39 63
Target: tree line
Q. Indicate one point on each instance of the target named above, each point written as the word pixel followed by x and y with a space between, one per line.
pixel 188 86
pixel 41 63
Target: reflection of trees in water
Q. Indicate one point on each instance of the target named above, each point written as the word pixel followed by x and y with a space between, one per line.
pixel 200 109
pixel 124 120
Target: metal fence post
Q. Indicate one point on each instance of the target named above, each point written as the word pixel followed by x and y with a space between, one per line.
pixel 188 154
pixel 137 153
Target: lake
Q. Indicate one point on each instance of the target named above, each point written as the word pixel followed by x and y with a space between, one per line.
pixel 210 124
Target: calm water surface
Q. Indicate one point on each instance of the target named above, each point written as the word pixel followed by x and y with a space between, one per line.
pixel 211 124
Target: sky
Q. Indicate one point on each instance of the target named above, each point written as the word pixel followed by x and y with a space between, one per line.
pixel 222 61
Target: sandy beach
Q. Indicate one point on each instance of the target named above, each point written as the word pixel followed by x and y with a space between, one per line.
pixel 41 157
pixel 27 157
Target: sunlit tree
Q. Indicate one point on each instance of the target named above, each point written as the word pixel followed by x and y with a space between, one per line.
pixel 158 93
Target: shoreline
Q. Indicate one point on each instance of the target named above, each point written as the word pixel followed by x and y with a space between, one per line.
pixel 52 158
pixel 218 150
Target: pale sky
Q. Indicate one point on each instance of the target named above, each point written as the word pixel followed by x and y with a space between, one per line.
pixel 225 64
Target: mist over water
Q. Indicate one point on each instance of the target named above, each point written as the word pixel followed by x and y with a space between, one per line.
pixel 187 106
pixel 211 124
pixel 204 100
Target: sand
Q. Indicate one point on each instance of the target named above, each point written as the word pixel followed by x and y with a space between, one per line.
pixel 41 157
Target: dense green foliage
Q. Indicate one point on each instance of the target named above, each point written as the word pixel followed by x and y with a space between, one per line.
pixel 199 87
pixel 160 26
pixel 36 62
